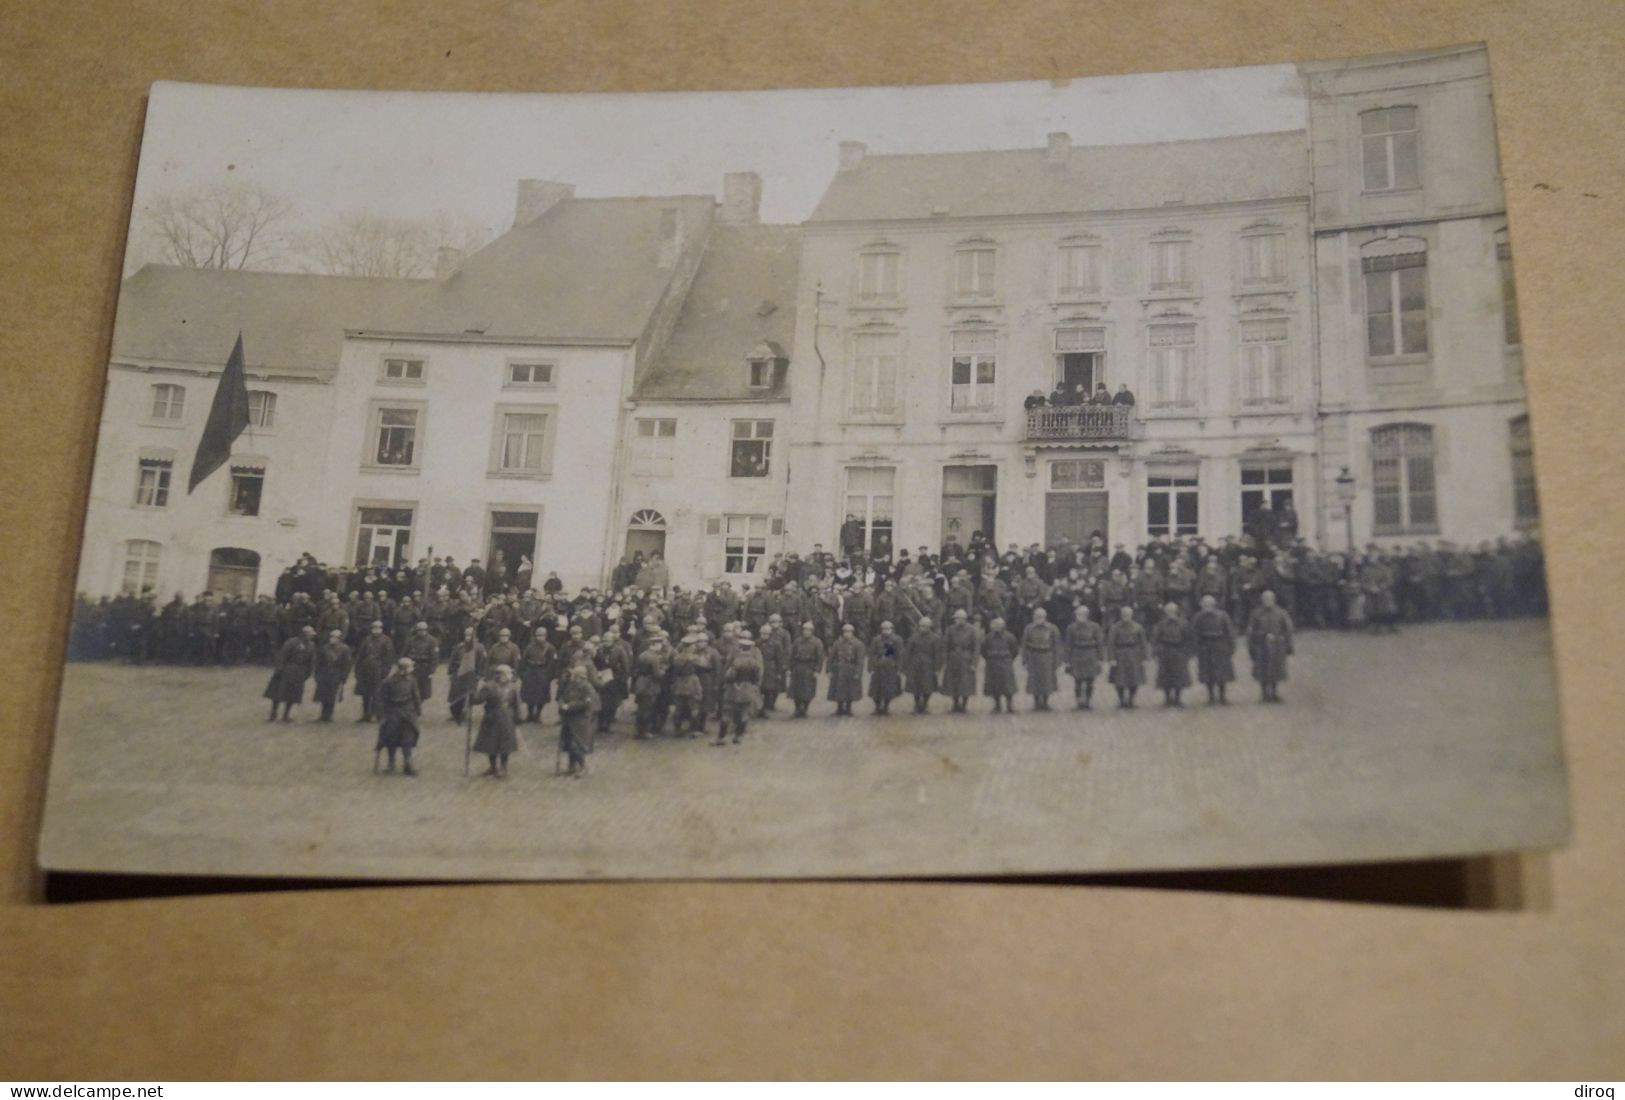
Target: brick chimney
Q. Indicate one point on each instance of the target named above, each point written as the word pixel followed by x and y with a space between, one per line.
pixel 741 198
pixel 446 262
pixel 536 197
pixel 852 154
pixel 671 236
pixel 1060 145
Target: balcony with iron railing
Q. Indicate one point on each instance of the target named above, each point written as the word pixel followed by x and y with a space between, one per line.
pixel 1079 423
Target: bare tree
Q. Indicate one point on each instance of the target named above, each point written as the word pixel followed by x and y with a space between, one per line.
pixel 359 243
pixel 233 224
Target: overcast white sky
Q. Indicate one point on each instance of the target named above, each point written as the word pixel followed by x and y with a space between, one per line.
pixel 419 154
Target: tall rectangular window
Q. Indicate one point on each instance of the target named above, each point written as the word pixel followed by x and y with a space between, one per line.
pixel 1263 362
pixel 1263 258
pixel 261 409
pixel 874 373
pixel 1079 269
pixel 744 543
pixel 247 485
pixel 1396 304
pixel 152 483
pixel 1261 485
pixel 752 452
pixel 870 499
pixel 168 401
pixel 1171 265
pixel 1172 351
pixel 877 274
pixel 654 446
pixel 141 558
pixel 1402 482
pixel 524 443
pixel 1510 330
pixel 1525 501
pixel 1388 149
pixel 383 536
pixel 1171 503
pixel 395 436
pixel 974 270
pixel 974 371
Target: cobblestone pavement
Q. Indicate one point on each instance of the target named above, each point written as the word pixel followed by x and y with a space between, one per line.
pixel 1442 739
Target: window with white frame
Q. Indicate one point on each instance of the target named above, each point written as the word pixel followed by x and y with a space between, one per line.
pixel 751 453
pixel 1263 362
pixel 874 373
pixel 168 402
pixel 247 486
pixel 1388 149
pixel 141 557
pixel 402 370
pixel 1510 329
pixel 152 482
pixel 523 445
pixel 878 273
pixel 1525 500
pixel 1171 503
pixel 383 535
pixel 261 409
pixel 1078 268
pixel 975 371
pixel 1396 300
pixel 1403 491
pixel 1171 264
pixel 744 543
pixel 395 436
pixel 530 373
pixel 974 270
pixel 654 446
pixel 1264 484
pixel 870 502
pixel 1172 354
pixel 1263 258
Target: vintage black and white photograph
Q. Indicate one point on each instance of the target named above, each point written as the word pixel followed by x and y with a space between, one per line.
pixel 1121 473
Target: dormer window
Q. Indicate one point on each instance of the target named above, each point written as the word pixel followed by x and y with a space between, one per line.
pixel 761 373
pixel 765 366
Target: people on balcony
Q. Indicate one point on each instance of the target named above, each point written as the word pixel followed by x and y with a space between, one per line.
pixel 1102 395
pixel 1124 396
pixel 1035 400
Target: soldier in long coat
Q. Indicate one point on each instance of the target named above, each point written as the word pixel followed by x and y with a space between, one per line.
pixel 649 685
pixel 1085 653
pixel 775 653
pixel 374 658
pixel 885 667
pixel 399 707
pixel 741 689
pixel 332 668
pixel 1269 643
pixel 999 650
pixel 1040 652
pixel 1174 641
pixel 922 663
pixel 806 661
pixel 294 662
pixel 578 710
pixel 424 649
pixel 1127 645
pixel 687 695
pixel 503 650
pixel 466 668
pixel 1215 648
pixel 963 643
pixel 536 667
pixel 846 670
pixel 499 726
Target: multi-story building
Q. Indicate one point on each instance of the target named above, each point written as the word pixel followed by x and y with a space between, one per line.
pixel 939 291
pixel 1420 364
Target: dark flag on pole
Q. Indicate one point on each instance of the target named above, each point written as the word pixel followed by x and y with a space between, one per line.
pixel 228 416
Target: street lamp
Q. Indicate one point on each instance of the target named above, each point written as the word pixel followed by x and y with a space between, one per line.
pixel 1345 494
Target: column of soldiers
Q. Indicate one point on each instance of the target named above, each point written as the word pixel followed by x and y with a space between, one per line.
pixel 860 625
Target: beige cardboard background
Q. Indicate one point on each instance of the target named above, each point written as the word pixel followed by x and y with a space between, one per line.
pixel 799 979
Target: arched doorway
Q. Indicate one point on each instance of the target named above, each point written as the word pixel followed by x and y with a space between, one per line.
pixel 234 571
pixel 647 533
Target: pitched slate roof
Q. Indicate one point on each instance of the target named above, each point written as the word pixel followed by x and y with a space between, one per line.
pixel 743 296
pixel 586 269
pixel 291 323
pixel 892 187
